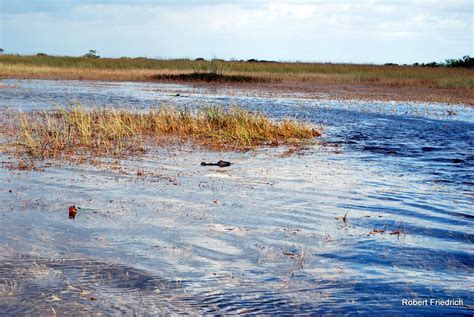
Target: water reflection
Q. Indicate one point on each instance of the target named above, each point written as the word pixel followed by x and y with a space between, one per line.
pixel 262 236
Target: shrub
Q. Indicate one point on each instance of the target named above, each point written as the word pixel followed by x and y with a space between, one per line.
pixel 465 62
pixel 92 54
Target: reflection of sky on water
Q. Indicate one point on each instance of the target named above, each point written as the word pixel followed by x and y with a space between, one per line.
pixel 39 94
pixel 187 238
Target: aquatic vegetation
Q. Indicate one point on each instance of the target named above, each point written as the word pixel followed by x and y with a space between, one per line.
pixel 80 132
pixel 400 230
pixel 145 69
pixel 343 218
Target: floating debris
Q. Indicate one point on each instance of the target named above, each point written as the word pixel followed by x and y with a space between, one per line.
pixel 72 211
pixel 375 231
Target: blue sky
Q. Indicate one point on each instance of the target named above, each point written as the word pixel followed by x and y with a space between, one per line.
pixel 320 30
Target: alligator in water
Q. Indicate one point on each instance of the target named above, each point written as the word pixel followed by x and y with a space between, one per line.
pixel 221 163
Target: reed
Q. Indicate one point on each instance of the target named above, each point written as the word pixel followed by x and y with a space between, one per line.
pixel 79 132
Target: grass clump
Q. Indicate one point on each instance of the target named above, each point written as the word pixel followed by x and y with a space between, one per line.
pixel 80 132
pixel 211 77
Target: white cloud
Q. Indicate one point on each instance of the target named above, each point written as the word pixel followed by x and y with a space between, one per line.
pixel 356 31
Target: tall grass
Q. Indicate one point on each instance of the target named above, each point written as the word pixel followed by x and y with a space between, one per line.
pixel 76 131
pixel 145 69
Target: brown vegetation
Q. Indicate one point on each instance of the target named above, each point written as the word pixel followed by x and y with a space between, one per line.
pixel 77 132
pixel 387 75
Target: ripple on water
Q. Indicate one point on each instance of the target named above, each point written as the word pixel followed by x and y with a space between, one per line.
pixel 264 236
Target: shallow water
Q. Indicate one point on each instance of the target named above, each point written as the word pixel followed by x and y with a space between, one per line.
pixel 258 237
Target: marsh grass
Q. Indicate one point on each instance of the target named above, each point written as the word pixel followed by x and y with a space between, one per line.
pixel 77 132
pixel 144 69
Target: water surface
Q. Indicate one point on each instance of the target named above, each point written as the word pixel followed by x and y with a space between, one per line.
pixel 263 236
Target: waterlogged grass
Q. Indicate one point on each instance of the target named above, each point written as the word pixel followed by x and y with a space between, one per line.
pixel 144 69
pixel 80 132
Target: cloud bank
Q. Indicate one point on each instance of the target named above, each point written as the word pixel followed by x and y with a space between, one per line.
pixel 334 31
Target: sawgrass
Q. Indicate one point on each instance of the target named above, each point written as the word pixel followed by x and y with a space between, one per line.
pixel 144 69
pixel 80 132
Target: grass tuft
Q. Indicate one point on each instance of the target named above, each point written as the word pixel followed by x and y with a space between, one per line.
pixel 77 131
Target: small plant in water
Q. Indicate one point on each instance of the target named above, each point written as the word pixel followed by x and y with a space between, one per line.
pixel 400 230
pixel 343 218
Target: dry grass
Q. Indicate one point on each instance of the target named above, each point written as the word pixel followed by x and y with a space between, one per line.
pixel 79 132
pixel 48 72
pixel 143 69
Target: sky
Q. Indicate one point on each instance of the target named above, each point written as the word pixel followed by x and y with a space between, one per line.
pixel 358 31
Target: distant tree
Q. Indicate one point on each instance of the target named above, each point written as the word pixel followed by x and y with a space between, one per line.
pixel 253 60
pixel 199 59
pixel 391 64
pixel 41 54
pixel 432 64
pixel 2 50
pixel 92 54
pixel 466 62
